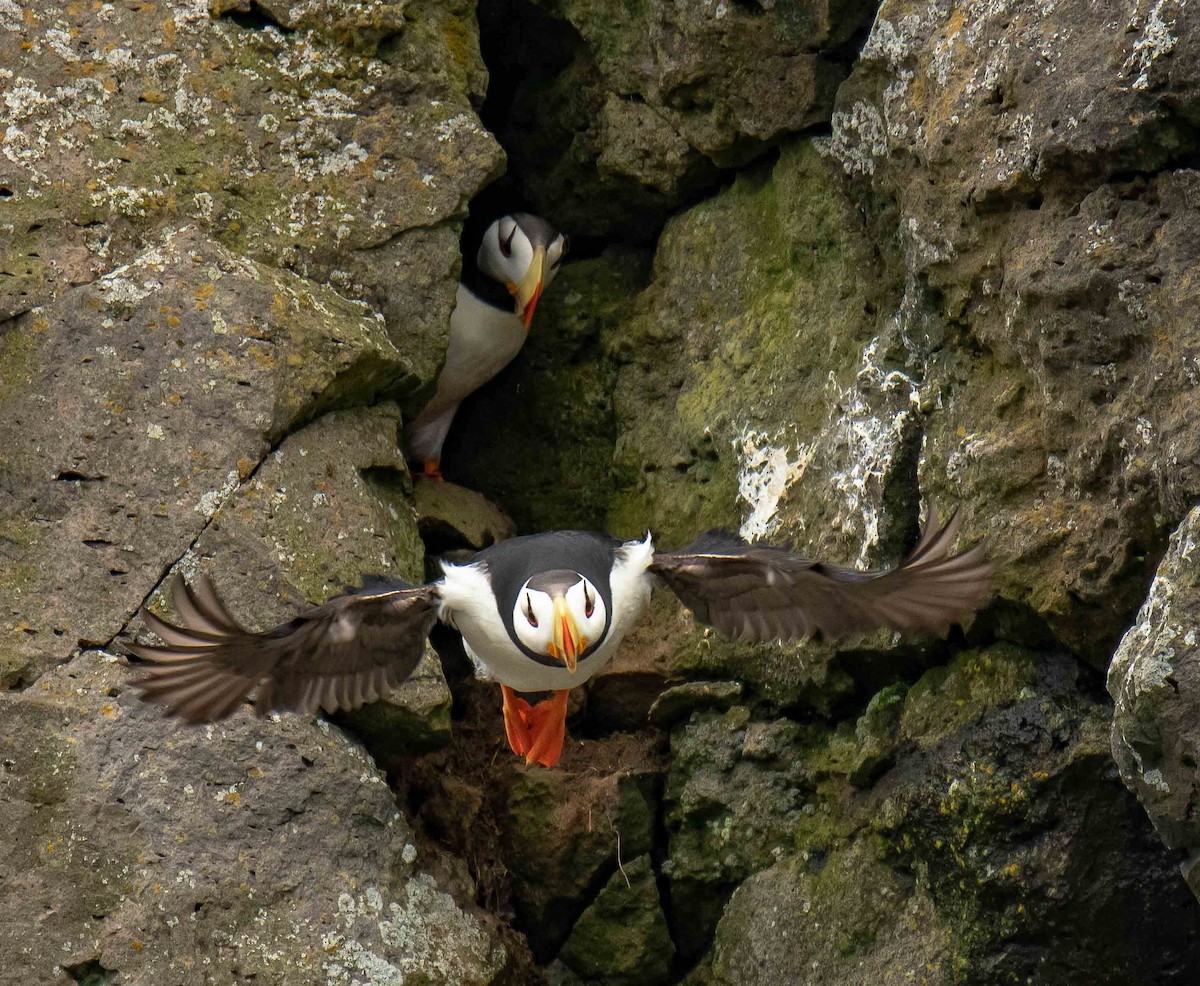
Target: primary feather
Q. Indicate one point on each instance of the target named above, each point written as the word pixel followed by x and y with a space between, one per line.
pixel 758 592
pixel 339 655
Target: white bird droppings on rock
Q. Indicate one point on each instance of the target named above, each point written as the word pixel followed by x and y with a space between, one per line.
pixel 766 472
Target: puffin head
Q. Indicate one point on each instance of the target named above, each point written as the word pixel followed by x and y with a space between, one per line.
pixel 523 253
pixel 559 614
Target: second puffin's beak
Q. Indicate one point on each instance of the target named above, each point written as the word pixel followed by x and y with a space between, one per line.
pixel 530 289
pixel 567 644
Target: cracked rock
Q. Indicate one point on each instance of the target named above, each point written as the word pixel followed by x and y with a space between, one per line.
pixel 132 408
pixel 1154 680
pixel 314 137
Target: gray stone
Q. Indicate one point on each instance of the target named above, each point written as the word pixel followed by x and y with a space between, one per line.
pixel 655 96
pixel 678 702
pixel 950 866
pixel 133 408
pixel 852 921
pixel 1022 161
pixel 194 855
pixel 452 516
pixel 409 720
pixel 876 734
pixel 323 510
pixel 321 142
pixel 1154 680
pixel 562 832
pixel 727 814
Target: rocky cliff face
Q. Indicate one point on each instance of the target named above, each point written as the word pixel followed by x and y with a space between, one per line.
pixel 836 263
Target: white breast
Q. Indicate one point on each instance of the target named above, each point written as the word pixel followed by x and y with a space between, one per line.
pixel 483 341
pixel 469 605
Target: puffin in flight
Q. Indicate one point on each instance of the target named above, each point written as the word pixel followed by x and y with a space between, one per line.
pixel 501 283
pixel 541 613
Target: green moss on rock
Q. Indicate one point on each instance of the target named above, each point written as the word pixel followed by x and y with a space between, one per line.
pixel 946 699
pixel 539 438
pixel 622 938
pixel 562 833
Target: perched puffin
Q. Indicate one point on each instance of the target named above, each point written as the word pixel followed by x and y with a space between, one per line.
pixel 501 283
pixel 540 613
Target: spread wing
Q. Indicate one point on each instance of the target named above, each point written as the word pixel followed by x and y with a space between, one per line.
pixel 757 592
pixel 340 655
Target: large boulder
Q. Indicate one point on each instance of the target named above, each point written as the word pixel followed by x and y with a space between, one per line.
pixel 1024 160
pixel 332 138
pixel 133 408
pixel 325 508
pixel 999 847
pixel 1153 679
pixel 637 106
pixel 564 833
pixel 767 385
pixel 622 938
pixel 152 852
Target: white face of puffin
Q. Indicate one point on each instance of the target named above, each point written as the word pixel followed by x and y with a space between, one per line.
pixel 507 255
pixel 562 627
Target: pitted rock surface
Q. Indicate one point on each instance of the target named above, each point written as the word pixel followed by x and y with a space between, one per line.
pixel 1153 681
pixel 195 855
pixel 134 407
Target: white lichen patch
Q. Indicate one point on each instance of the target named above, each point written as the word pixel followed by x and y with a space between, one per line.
pixel 456 126
pixel 1157 38
pixel 766 470
pixel 213 500
pixel 893 42
pixel 859 138
pixel 123 291
pixel 869 422
pixel 423 937
pixel 972 447
pixel 1142 675
pixel 10 16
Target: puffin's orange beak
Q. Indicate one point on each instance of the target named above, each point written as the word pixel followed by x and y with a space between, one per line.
pixel 530 289
pixel 567 643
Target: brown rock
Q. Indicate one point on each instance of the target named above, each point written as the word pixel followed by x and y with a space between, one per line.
pixel 326 137
pixel 654 97
pixel 453 516
pixel 1015 150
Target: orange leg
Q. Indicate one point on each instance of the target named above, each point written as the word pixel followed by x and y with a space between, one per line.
pixel 432 470
pixel 547 729
pixel 516 721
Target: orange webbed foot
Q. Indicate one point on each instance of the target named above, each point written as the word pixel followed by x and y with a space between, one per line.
pixel 547 730
pixel 432 470
pixel 516 721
